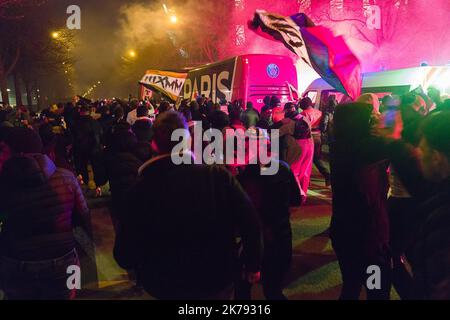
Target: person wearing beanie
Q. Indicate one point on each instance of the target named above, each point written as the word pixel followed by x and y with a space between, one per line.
pixel 142 128
pixel 40 206
pixel 275 102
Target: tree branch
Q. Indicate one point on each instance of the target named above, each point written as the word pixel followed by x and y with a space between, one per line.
pixel 14 62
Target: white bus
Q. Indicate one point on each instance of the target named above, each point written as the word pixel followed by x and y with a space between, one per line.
pixel 398 82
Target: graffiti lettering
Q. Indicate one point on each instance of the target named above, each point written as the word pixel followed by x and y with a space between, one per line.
pixel 165 82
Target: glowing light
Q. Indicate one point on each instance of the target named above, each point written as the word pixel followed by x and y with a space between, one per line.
pixel 132 53
pixel 55 35
pixel 173 19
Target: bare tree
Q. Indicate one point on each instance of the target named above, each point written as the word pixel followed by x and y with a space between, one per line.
pixel 353 13
pixel 11 15
pixel 27 50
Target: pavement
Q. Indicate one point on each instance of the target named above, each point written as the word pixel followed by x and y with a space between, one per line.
pixel 314 274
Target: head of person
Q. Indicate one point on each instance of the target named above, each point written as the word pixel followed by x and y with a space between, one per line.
pixel 223 102
pixel 134 104
pixel 194 106
pixel 371 99
pixel 142 111
pixel 435 147
pixel 75 100
pixel 183 104
pixel 23 141
pixel 53 109
pixel 266 100
pixel 352 122
pixel 385 101
pixel 216 107
pixel 219 120
pixel 305 103
pixel 119 113
pixel 143 130
pixel 331 104
pixel 123 141
pixel 47 134
pixel 266 115
pixel 104 110
pixel 277 114
pixel 275 102
pixel 250 105
pixel 187 114
pixel 164 107
pixel 289 107
pixel 235 113
pixel 164 127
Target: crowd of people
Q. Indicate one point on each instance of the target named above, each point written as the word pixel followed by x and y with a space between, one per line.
pixel 212 231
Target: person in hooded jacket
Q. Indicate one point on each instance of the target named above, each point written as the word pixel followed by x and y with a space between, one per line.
pixel 359 227
pixel 123 159
pixel 40 206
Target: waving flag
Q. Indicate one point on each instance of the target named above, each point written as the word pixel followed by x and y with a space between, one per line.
pixel 166 82
pixel 327 54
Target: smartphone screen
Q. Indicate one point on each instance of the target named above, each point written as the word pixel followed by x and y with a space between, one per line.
pixel 389 117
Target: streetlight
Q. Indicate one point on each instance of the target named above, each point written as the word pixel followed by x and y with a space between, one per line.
pixel 55 35
pixel 173 19
pixel 132 53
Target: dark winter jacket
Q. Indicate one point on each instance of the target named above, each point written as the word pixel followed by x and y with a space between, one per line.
pixel 87 135
pixel 290 151
pixel 41 204
pixel 272 195
pixel 122 168
pixel 359 182
pixel 143 129
pixel 179 231
pixel 106 123
pixel 431 252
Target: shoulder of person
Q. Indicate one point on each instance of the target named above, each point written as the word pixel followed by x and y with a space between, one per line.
pixel 64 173
pixel 66 176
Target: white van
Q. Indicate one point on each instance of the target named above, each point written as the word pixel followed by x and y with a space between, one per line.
pixel 398 82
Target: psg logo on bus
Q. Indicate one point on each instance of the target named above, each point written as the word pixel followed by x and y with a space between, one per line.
pixel 273 70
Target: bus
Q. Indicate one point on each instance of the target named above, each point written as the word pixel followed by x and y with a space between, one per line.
pixel 397 82
pixel 248 78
